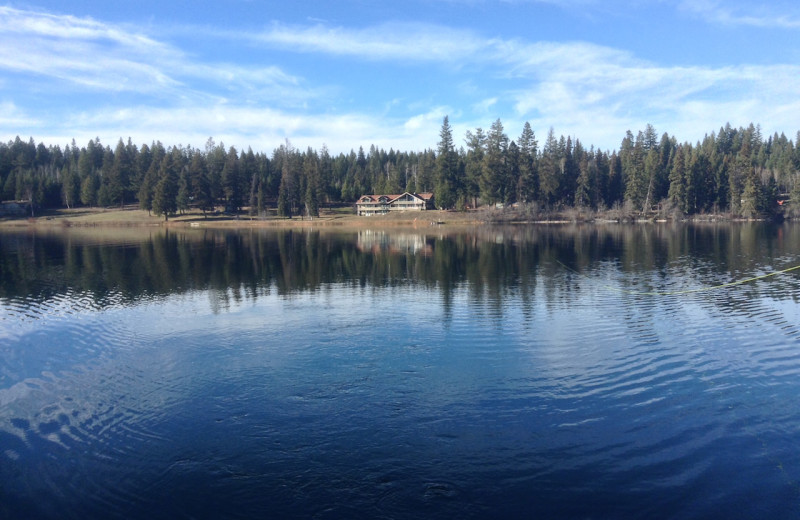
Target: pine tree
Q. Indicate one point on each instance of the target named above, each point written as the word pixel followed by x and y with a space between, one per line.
pixel 71 188
pixel 231 183
pixel 528 185
pixel 118 175
pixel 549 167
pixel 201 188
pixel 751 197
pixel 632 155
pixel 10 186
pixel 166 190
pixel 586 191
pixel 571 156
pixel 493 178
pixel 512 177
pixel 476 145
pixel 145 194
pixel 445 192
pixel 284 206
pixel 215 162
pixel 311 174
pixel 261 201
pixel 615 186
pixel 677 181
pixel 182 198
pixel 794 194
pixel 150 179
pixel 89 190
pixel 652 167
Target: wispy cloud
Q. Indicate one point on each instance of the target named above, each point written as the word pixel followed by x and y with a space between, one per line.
pixel 572 84
pixel 102 57
pixel 761 15
pixel 82 51
pixel 408 42
pixel 12 115
pixel 244 126
pixel 591 91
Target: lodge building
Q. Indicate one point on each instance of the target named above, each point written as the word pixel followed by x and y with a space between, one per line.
pixel 368 205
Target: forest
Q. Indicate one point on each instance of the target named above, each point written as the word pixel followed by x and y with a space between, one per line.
pixel 734 171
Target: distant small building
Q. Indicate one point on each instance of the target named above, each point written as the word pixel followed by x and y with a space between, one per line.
pixel 369 205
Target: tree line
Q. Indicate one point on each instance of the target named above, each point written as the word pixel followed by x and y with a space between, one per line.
pixel 734 170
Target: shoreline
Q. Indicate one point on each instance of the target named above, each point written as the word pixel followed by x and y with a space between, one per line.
pixel 131 217
pixel 137 218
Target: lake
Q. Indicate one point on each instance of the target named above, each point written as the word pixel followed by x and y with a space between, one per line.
pixel 606 371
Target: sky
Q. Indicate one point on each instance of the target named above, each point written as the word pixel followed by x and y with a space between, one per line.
pixel 344 74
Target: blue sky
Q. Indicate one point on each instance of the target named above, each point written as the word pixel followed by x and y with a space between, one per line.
pixel 359 72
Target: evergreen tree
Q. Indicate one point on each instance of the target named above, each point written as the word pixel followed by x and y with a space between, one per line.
pixel 751 197
pixel 105 190
pixel 549 168
pixel 512 178
pixel 528 186
pixel 247 178
pixel 215 162
pixel 231 183
pixel 89 190
pixel 476 145
pixel 677 182
pixel 311 174
pixel 201 188
pixel 119 175
pixel 146 188
pixel 284 206
pixel 602 184
pixel 10 186
pixel 261 201
pixel 166 190
pixel 632 155
pixel 494 180
pixel 569 170
pixel 445 193
pixel 326 177
pixel 71 187
pixel 586 191
pixel 288 186
pixel 182 197
pixel 615 189
pixel 697 181
pixel 652 167
pixel 794 194
pixel 143 160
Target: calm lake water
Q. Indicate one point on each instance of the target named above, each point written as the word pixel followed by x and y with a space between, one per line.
pixel 529 372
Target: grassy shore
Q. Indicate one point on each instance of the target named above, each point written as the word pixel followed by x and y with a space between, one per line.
pixel 134 217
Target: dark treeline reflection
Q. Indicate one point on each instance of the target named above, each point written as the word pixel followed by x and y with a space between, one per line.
pixel 489 262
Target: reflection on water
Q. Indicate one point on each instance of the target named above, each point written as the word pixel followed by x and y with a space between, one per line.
pixel 75 267
pixel 505 372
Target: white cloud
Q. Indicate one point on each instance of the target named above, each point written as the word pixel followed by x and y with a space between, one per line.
pixel 65 27
pixel 590 91
pixel 426 120
pixel 263 129
pixel 407 42
pixel 485 105
pixel 13 116
pixel 106 58
pixel 762 15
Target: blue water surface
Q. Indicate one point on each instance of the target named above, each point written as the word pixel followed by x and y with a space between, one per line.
pixel 538 374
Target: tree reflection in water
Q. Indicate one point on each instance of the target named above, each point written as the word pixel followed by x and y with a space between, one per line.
pixel 490 262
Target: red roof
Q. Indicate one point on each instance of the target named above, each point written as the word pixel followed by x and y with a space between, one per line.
pixel 375 197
